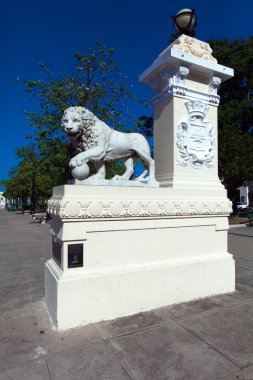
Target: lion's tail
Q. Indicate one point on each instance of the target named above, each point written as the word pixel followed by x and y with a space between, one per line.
pixel 141 176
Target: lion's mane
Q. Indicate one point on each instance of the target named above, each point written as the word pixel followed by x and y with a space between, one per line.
pixel 88 136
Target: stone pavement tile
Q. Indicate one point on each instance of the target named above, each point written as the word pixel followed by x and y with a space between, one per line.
pixel 246 309
pixel 228 330
pixel 132 323
pixel 44 245
pixel 93 362
pixel 21 236
pixel 43 234
pixel 244 276
pixel 185 309
pixel 32 370
pixel 10 275
pixel 33 252
pixel 29 245
pixel 242 293
pixel 169 352
pixel 3 217
pixel 40 312
pixel 8 259
pixel 19 342
pixel 14 302
pixel 240 245
pixel 7 248
pixel 5 237
pixel 35 264
pixel 243 262
pixel 36 290
pixel 53 341
pixel 243 231
pixel 243 374
pixel 33 270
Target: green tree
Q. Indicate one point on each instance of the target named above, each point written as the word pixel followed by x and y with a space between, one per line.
pixel 95 83
pixel 235 117
pixel 145 125
pixel 28 178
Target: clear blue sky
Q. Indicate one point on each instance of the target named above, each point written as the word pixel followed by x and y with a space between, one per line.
pixel 52 30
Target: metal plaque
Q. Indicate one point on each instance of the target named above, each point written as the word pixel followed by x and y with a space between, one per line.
pixel 75 255
pixel 56 252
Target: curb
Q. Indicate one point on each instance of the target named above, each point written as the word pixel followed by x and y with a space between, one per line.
pixel 238 225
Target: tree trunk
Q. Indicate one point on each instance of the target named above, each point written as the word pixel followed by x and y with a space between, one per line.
pixel 233 196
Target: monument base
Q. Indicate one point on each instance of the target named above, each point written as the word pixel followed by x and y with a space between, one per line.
pixel 120 255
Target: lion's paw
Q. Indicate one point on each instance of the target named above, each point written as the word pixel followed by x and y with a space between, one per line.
pixel 144 180
pixel 72 163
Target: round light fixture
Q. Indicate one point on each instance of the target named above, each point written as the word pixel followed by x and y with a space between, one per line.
pixel 185 22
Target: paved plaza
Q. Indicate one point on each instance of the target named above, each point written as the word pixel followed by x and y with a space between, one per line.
pixel 209 339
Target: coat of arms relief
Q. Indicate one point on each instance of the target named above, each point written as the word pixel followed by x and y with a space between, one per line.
pixel 195 137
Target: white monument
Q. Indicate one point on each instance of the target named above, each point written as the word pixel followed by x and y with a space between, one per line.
pixel 2 200
pixel 122 246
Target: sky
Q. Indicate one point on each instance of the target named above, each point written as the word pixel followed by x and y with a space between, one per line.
pixel 52 30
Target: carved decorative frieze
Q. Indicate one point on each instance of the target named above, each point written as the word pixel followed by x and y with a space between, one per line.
pixel 174 80
pixel 195 47
pixel 214 100
pixel 195 137
pixel 132 208
pixel 173 83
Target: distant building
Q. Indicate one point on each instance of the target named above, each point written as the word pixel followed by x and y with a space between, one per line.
pixel 2 200
pixel 246 194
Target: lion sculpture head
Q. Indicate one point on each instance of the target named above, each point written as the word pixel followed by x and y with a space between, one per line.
pixel 76 119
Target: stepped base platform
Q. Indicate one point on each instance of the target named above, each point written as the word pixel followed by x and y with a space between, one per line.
pixel 121 251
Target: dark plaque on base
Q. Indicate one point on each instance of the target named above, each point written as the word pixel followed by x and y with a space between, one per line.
pixel 75 255
pixel 56 252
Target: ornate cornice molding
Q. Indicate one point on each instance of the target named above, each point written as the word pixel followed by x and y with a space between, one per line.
pixel 121 208
pixel 173 83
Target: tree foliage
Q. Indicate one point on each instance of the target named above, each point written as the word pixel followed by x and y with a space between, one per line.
pixel 235 119
pixel 95 83
pixel 145 125
pixel 28 179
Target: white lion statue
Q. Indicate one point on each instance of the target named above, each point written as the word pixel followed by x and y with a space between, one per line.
pixel 95 141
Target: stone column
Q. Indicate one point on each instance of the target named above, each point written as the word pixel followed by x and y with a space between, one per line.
pixel 185 79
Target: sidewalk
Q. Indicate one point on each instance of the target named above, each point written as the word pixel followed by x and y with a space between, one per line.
pixel 210 339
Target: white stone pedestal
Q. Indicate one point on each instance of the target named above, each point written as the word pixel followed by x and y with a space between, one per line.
pixel 143 248
pixel 121 250
pixel 185 79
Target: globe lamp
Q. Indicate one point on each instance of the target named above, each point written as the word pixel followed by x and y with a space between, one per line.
pixel 185 22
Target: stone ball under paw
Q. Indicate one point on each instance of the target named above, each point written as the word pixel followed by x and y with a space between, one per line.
pixel 80 172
